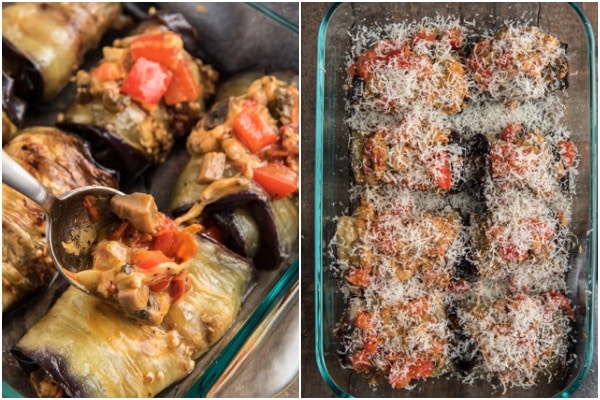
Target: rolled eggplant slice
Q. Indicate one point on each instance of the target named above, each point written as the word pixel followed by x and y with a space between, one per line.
pixel 419 155
pixel 83 343
pixel 146 91
pixel 61 162
pixel 44 43
pixel 517 63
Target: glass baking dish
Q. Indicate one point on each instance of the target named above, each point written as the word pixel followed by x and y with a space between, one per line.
pixel 272 42
pixel 333 177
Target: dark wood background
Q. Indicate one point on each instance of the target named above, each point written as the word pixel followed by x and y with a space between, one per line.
pixel 312 384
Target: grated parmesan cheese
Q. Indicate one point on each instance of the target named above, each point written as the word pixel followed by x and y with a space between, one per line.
pixel 458 246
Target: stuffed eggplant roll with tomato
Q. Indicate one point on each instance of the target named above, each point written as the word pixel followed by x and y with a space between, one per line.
pixel 61 162
pixel 241 182
pixel 87 348
pixel 43 44
pixel 146 91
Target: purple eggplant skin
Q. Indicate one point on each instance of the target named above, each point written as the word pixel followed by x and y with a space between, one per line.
pixel 12 105
pixel 28 80
pixel 269 255
pixel 13 109
pixel 110 150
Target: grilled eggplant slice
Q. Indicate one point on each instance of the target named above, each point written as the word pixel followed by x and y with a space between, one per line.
pixel 61 162
pixel 44 43
pixel 83 343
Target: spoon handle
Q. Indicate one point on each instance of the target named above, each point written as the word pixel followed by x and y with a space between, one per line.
pixel 22 181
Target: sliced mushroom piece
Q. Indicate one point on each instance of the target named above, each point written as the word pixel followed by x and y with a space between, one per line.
pixel 137 208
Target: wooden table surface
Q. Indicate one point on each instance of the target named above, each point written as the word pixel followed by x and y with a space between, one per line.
pixel 312 384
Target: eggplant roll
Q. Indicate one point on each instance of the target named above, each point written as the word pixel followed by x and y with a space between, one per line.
pixel 92 350
pixel 61 162
pixel 242 176
pixel 146 91
pixel 43 44
pixel 518 62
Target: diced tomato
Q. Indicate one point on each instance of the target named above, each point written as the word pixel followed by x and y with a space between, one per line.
pixel 278 180
pixel 146 82
pixel 178 245
pixel 505 59
pixel 366 63
pixel 511 132
pixel 510 252
pixel 363 320
pixel 161 285
pixel 188 247
pixel 421 368
pixel 566 149
pixel 183 87
pixel 163 48
pixel 147 259
pixel 399 377
pixel 165 222
pixel 382 53
pixel 88 203
pixel 109 71
pixel 361 360
pixel 557 300
pixel 500 156
pixel 358 277
pixel 254 130
pixel 539 230
pixel 371 343
pixel 425 36
pixel 418 306
pixel 453 36
pixel 441 170
pixel 179 286
pixel 351 70
pixel 119 231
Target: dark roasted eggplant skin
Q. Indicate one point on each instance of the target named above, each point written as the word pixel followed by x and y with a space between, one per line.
pixel 13 109
pixel 111 150
pixel 61 162
pixel 44 43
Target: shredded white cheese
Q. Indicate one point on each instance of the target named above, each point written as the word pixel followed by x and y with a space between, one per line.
pixel 459 160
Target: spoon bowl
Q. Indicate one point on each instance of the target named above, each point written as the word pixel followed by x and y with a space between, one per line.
pixel 74 220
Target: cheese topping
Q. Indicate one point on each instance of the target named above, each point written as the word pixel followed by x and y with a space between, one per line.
pixel 458 247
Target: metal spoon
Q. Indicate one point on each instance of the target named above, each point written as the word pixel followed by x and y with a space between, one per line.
pixel 70 231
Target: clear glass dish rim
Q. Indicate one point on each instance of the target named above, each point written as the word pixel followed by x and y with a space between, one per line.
pixel 292 273
pixel 318 193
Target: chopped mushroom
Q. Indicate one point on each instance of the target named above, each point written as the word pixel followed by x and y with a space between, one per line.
pixel 137 208
pixel 212 168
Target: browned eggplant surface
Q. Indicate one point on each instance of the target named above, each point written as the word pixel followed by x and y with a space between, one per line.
pixel 44 43
pixel 61 162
